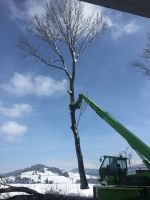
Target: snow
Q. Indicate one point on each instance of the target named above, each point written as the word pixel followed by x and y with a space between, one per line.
pixel 10 178
pixel 42 177
pixel 75 176
pixel 65 189
pixel 62 188
pixel 49 182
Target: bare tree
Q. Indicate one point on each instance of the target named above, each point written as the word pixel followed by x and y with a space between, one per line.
pixel 127 154
pixel 64 26
pixel 144 64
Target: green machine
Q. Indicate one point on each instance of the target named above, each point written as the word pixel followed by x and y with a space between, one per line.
pixel 115 183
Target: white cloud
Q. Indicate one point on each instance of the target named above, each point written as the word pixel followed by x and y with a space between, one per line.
pixel 35 7
pixel 130 27
pixel 46 86
pixel 120 28
pixel 22 85
pixel 28 9
pixel 12 130
pixel 90 165
pixel 64 164
pixel 15 111
pixel 117 23
pixel 15 13
pixel 19 84
pixel 91 8
pixel 71 164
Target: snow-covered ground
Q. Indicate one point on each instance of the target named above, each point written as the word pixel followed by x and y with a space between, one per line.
pixel 61 188
pixel 45 176
pixel 42 177
pixel 46 181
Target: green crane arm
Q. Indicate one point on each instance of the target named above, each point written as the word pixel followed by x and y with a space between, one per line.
pixel 138 145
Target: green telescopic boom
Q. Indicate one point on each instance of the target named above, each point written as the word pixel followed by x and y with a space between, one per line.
pixel 138 145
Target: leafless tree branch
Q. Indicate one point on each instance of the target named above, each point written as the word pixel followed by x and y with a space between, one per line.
pixel 144 64
pixel 19 189
pixel 142 67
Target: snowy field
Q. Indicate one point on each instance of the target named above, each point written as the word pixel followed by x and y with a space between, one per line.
pixel 47 177
pixel 46 181
pixel 62 188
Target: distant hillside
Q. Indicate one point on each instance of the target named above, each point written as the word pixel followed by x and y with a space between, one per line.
pixel 49 175
pixel 39 168
pixel 139 166
pixel 90 172
pixel 132 169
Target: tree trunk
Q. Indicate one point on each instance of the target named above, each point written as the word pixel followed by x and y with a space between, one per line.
pixel 20 189
pixel 83 180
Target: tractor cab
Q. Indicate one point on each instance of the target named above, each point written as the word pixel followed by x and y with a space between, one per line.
pixel 112 169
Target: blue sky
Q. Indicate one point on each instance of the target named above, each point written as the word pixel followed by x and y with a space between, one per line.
pixel 34 115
